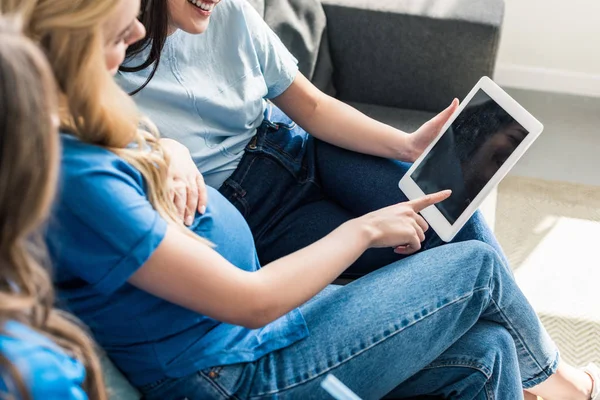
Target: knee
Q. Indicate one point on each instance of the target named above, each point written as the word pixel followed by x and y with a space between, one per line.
pixel 504 348
pixel 498 350
pixel 481 255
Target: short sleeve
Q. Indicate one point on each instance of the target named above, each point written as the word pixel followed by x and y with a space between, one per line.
pixel 104 229
pixel 279 67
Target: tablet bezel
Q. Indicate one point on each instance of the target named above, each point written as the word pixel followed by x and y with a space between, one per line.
pixel 445 230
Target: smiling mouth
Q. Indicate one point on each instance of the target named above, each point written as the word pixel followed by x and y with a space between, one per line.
pixel 204 6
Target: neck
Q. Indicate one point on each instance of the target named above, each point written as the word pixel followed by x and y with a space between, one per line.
pixel 172 29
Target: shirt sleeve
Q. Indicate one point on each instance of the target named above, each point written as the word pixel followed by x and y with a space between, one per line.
pixel 279 67
pixel 107 229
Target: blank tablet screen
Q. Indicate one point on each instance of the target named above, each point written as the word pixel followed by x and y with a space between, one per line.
pixel 469 154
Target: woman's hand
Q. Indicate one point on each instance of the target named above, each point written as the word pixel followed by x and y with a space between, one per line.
pixel 400 226
pixel 188 189
pixel 422 137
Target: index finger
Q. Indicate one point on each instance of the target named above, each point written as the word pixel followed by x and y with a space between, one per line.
pixel 423 202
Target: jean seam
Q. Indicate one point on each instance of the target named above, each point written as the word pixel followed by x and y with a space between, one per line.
pixel 476 366
pixel 489 394
pixel 543 375
pixel 247 170
pixel 518 337
pixel 361 351
pixel 488 391
pixel 217 386
pixel 280 151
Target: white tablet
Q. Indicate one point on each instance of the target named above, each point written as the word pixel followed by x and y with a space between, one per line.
pixel 476 148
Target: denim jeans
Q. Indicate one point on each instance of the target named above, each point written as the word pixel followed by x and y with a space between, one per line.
pixel 450 322
pixel 446 322
pixel 293 190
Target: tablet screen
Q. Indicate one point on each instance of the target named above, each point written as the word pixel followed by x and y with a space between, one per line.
pixel 469 154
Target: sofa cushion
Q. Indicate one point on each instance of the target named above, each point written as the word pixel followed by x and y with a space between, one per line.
pixel 413 53
pixel 301 26
pixel 117 385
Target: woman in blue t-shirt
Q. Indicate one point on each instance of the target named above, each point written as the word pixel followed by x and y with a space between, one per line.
pixel 190 312
pixel 43 354
pixel 206 85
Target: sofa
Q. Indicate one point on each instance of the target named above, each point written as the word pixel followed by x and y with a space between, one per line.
pixel 399 61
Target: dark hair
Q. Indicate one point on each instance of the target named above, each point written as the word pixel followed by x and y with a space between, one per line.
pixel 154 16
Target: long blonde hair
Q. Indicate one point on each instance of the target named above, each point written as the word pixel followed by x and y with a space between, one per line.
pixel 28 173
pixel 92 106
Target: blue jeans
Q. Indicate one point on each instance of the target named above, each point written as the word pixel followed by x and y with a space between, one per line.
pixel 293 190
pixel 450 322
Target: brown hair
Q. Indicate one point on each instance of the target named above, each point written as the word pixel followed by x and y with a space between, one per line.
pixel 28 173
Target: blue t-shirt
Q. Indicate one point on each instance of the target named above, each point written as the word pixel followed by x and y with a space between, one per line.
pixel 208 92
pixel 103 230
pixel 47 371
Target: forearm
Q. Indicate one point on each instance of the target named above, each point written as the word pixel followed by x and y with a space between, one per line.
pixel 344 126
pixel 188 273
pixel 339 124
pixel 293 280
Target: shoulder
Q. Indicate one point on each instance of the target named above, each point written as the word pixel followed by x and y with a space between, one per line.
pixel 86 164
pixel 84 155
pixel 46 369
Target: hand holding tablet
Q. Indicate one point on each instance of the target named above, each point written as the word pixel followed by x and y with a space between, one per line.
pixel 476 148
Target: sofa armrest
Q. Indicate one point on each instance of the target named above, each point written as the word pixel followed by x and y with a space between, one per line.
pixel 411 54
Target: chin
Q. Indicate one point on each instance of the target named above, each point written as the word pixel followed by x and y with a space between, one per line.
pixel 196 27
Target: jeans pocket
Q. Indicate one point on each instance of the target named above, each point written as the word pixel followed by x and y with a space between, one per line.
pixel 233 192
pixel 198 385
pixel 287 144
pixel 229 381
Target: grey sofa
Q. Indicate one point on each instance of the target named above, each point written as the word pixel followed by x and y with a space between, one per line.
pixel 399 61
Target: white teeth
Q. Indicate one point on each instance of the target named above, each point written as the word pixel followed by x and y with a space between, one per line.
pixel 206 6
pixel 203 6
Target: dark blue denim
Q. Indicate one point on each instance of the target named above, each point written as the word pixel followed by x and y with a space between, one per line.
pixel 294 189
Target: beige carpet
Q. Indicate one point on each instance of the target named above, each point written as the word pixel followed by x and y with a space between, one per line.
pixel 551 234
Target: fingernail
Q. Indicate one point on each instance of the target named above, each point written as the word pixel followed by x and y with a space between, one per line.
pixel 202 209
pixel 189 220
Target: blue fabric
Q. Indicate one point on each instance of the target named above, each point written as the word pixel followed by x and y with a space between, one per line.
pixel 208 92
pixel 104 229
pixel 47 371
pixel 294 189
pixel 450 323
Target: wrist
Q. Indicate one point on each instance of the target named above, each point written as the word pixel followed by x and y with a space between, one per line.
pixel 363 230
pixel 403 146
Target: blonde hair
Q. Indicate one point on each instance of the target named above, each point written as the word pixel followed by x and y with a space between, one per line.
pixel 92 106
pixel 27 109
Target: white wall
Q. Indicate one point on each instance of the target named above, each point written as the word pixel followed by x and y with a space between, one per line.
pixel 551 45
